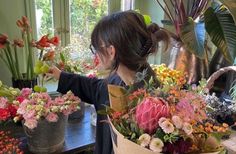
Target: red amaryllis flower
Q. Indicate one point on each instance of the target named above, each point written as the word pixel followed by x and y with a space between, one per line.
pixel 19 43
pixel 25 21
pixel 19 23
pixel 4 114
pixel 54 40
pixel 49 56
pixel 3 40
pixel 43 42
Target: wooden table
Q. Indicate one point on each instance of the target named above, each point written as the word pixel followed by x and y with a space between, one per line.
pixel 79 134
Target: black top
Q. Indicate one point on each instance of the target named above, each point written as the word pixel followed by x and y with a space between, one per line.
pixel 93 91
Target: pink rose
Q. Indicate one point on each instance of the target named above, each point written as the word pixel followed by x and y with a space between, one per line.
pixel 25 92
pixel 3 102
pixel 31 123
pixel 52 117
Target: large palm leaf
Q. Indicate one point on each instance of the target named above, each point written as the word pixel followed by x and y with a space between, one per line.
pixel 231 5
pixel 222 30
pixel 193 36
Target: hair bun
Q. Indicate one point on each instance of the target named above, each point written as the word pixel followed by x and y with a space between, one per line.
pixel 153 27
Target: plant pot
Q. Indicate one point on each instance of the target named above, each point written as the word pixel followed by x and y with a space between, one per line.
pixel 23 83
pixel 47 137
pixel 78 114
pixel 183 60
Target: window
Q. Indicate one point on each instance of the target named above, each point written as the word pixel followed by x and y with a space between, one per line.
pixel 44 17
pixel 72 20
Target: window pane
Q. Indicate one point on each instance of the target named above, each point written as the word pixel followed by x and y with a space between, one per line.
pixel 84 14
pixel 44 17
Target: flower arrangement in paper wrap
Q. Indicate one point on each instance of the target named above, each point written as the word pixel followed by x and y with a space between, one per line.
pixel 12 50
pixel 169 118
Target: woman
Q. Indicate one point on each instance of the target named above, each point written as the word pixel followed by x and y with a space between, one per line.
pixel 122 42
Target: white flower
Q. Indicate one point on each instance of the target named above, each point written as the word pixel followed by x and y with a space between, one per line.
pixel 187 128
pixel 177 121
pixel 156 145
pixel 167 127
pixel 161 120
pixel 144 139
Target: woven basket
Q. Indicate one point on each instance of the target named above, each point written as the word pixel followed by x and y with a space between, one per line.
pixel 217 74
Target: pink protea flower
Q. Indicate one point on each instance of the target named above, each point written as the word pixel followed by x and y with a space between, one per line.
pixel 148 113
pixel 52 117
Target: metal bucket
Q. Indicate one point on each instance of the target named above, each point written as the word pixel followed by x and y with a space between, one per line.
pixel 77 115
pixel 47 137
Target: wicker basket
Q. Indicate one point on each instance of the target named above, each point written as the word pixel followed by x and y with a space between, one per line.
pixel 217 74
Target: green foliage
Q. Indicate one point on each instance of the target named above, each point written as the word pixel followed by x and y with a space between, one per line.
pixel 231 5
pixel 222 30
pixel 193 35
pixel 128 128
pixel 84 16
pixel 46 20
pixel 233 91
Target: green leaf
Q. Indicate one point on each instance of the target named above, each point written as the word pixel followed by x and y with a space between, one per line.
pixel 222 30
pixel 231 5
pixel 62 57
pixel 147 19
pixel 193 36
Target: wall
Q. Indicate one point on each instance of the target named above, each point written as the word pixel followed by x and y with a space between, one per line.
pixel 10 11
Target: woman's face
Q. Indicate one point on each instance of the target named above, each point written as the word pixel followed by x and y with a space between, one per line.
pixel 106 60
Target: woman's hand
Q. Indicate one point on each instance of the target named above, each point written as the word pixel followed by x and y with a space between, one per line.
pixel 55 72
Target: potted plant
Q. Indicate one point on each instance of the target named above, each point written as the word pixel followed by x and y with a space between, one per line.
pixel 192 21
pixel 10 51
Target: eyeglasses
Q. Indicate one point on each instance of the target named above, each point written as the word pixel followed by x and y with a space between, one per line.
pixel 93 50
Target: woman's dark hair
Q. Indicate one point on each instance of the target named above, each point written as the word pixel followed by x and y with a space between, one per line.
pixel 131 37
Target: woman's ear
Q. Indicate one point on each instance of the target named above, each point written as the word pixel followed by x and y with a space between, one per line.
pixel 111 52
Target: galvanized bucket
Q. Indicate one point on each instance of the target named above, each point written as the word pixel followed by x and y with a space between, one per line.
pixel 47 137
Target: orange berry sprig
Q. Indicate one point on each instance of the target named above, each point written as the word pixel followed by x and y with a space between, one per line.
pixel 209 128
pixel 9 144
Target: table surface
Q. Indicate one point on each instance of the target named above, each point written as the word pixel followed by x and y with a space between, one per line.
pixel 79 134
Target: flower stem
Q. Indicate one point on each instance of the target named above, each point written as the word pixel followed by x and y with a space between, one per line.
pixel 17 63
pixel 30 55
pixel 10 61
pixel 41 54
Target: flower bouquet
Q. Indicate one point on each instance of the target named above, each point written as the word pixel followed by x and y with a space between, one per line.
pixel 70 59
pixel 169 119
pixel 40 115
